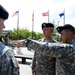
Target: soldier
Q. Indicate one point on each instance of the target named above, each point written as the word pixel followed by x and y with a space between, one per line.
pixel 7 40
pixel 67 33
pixel 63 53
pixel 8 64
pixel 48 29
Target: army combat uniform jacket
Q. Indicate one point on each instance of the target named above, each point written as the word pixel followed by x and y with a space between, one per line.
pixel 8 64
pixel 40 58
pixel 63 53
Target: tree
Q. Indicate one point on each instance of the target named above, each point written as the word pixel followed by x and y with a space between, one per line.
pixel 55 31
pixel 24 33
pixel 39 35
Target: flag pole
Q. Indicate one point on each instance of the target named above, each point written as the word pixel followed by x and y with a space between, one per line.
pixel 32 23
pixel 58 22
pixel 48 16
pixel 64 18
pixel 18 25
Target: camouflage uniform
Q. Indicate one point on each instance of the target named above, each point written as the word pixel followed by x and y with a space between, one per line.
pixel 8 65
pixel 63 53
pixel 40 58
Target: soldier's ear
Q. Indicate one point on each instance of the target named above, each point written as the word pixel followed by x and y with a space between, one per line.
pixel 70 34
pixel 52 30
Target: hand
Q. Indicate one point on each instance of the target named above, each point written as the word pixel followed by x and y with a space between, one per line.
pixel 33 72
pixel 17 63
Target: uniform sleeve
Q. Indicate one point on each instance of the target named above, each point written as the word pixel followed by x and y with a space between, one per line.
pixel 51 49
pixel 34 61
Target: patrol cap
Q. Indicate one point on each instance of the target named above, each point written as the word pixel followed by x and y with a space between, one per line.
pixel 47 25
pixel 66 26
pixel 3 13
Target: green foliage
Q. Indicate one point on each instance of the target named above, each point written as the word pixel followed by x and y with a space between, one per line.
pixel 33 34
pixel 39 35
pixel 14 34
pixel 25 33
pixel 54 35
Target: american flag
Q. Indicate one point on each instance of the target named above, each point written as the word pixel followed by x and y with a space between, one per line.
pixel 15 14
pixel 45 13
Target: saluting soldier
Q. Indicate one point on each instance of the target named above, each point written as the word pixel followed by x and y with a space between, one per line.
pixel 63 53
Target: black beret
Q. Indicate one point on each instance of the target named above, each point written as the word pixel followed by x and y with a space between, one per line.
pixel 66 26
pixel 3 13
pixel 47 25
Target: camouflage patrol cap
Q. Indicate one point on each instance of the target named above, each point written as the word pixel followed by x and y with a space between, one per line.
pixel 66 26
pixel 3 13
pixel 47 25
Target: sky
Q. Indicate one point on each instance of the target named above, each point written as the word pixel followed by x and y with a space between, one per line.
pixel 26 8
